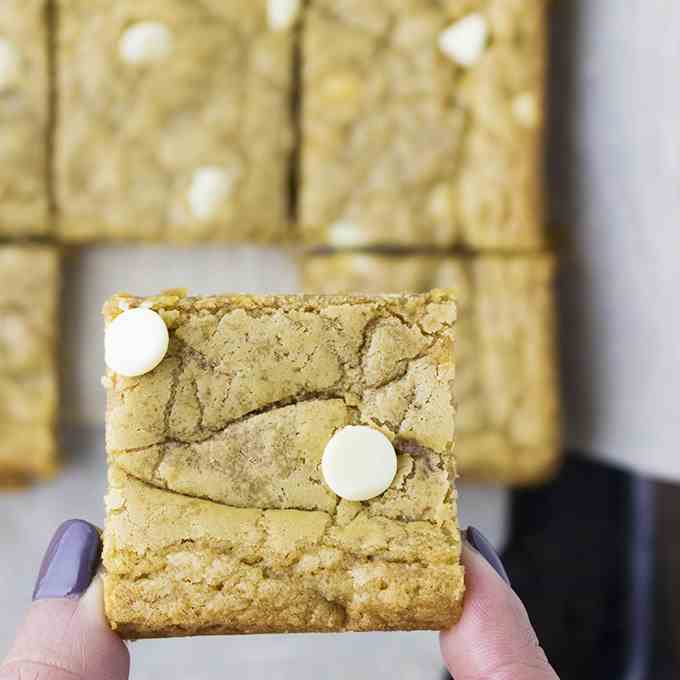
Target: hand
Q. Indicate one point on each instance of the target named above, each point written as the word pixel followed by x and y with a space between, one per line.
pixel 494 639
pixel 65 635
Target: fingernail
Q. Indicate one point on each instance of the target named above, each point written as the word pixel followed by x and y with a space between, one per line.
pixel 481 544
pixel 70 562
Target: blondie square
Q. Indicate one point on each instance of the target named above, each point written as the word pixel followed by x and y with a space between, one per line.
pixel 422 123
pixel 507 424
pixel 24 106
pixel 28 301
pixel 218 516
pixel 174 120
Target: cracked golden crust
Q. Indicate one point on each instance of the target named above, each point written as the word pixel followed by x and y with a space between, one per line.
pixel 507 424
pixel 130 139
pixel 218 518
pixel 402 146
pixel 183 566
pixel 24 121
pixel 29 283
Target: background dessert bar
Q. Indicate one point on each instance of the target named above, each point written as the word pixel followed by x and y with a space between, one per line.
pixel 28 384
pixel 507 424
pixel 422 123
pixel 174 121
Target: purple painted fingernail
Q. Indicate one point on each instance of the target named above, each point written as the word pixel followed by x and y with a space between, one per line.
pixel 70 562
pixel 482 545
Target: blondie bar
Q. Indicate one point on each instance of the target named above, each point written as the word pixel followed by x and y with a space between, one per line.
pixel 24 106
pixel 507 425
pixel 218 516
pixel 28 301
pixel 174 120
pixel 422 123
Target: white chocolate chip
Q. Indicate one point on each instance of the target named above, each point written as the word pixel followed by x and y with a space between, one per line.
pixel 525 110
pixel 9 65
pixel 135 342
pixel 145 42
pixel 345 234
pixel 210 187
pixel 283 14
pixel 464 41
pixel 359 463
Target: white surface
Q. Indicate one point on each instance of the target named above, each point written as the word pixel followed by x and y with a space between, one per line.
pixel 359 463
pixel 29 518
pixel 464 41
pixel 145 42
pixel 135 342
pixel 615 171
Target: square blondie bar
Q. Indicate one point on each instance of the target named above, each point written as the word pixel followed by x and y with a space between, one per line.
pixel 218 516
pixel 422 123
pixel 28 385
pixel 24 115
pixel 174 121
pixel 508 421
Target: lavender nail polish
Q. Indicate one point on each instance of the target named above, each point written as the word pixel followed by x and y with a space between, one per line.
pixel 70 562
pixel 481 544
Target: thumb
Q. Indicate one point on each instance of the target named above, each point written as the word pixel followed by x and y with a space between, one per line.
pixel 65 635
pixel 494 639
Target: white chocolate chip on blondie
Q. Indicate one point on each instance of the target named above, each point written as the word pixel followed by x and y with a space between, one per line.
pixel 344 234
pixel 359 463
pixel 145 42
pixel 210 187
pixel 525 109
pixel 9 65
pixel 283 14
pixel 464 41
pixel 136 341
